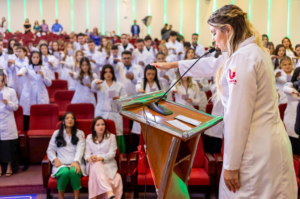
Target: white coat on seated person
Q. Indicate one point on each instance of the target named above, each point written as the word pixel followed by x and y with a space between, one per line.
pixel 255 140
pixel 18 81
pixel 217 110
pixel 136 127
pixel 128 47
pixel 83 94
pixel 103 107
pixel 106 149
pixel 129 85
pixel 8 129
pixel 34 90
pixel 281 80
pixel 52 68
pixel 96 57
pixel 142 58
pixel 68 66
pixel 67 154
pixel 10 81
pixel 193 92
pixel 291 109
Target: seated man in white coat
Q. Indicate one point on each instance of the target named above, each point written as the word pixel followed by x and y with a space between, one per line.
pixel 128 73
pixel 174 46
pixel 149 48
pixel 199 49
pixel 141 56
pixel 125 45
pixel 114 57
pixel 81 41
pixel 94 56
pixel 3 57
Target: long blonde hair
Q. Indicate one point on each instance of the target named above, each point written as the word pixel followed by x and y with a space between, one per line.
pixel 242 29
pixel 189 81
pixel 66 50
pixel 75 58
pixel 161 46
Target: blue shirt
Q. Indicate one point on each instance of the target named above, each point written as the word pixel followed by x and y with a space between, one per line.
pixel 56 28
pixel 135 30
pixel 96 38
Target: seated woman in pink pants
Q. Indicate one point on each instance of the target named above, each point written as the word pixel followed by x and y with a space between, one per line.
pixel 101 147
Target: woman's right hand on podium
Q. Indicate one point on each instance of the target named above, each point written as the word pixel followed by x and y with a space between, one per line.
pixel 165 66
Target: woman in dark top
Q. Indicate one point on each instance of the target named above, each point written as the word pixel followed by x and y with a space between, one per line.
pixel 95 36
pixel 27 26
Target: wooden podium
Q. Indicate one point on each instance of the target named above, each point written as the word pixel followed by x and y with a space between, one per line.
pixel 170 151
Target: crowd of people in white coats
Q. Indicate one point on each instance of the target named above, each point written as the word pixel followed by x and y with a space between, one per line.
pixel 113 71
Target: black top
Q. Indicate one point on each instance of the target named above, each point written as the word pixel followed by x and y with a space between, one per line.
pixel 27 25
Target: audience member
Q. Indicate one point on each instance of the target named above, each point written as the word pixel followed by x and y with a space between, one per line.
pixel 56 28
pixel 44 26
pixel 27 26
pixel 135 30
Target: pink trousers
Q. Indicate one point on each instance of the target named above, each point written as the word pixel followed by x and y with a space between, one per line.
pixel 100 184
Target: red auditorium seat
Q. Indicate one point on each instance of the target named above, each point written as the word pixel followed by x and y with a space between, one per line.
pixel 82 110
pixel 209 107
pixel 126 126
pixel 202 177
pixel 56 75
pixel 43 120
pixel 19 118
pixel 219 165
pixel 63 99
pixel 85 125
pixel 282 108
pixel 296 166
pixel 56 86
pixel 208 95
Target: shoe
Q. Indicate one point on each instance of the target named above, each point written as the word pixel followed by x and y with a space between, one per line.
pixel 8 174
pixel 112 197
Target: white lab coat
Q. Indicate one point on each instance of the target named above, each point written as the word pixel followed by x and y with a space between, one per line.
pixel 255 140
pixel 136 127
pixel 67 154
pixel 83 47
pixel 129 85
pixel 51 69
pixel 121 48
pixel 76 46
pixel 82 93
pixel 68 67
pixel 289 53
pixel 280 82
pixel 103 107
pixel 205 87
pixel 194 94
pixel 18 81
pixel 34 90
pixel 103 59
pixel 8 128
pixel 96 55
pixel 199 51
pixel 145 57
pixel 171 58
pixel 111 60
pixel 59 66
pixel 296 63
pixel 106 149
pixel 217 110
pixel 152 51
pixel 291 110
pixel 10 82
pixel 178 48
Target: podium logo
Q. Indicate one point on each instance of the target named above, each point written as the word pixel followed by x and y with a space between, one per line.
pixel 232 79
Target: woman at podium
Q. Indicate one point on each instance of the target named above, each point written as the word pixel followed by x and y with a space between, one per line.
pixel 258 159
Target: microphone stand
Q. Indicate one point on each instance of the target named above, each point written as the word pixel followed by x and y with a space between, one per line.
pixel 154 106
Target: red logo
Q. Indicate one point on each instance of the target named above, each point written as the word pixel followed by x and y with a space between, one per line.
pixel 232 76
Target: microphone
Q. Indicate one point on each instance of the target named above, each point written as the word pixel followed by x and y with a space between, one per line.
pixel 154 106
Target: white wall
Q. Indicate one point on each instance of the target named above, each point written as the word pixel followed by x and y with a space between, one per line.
pixel 278 16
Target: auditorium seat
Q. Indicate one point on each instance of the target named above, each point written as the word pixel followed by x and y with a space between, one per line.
pixel 296 159
pixel 282 108
pixel 82 110
pixel 209 107
pixel 208 95
pixel 219 164
pixel 51 183
pixel 43 120
pixel 202 177
pixel 56 86
pixel 56 75
pixel 19 118
pixel 63 99
pixel 126 126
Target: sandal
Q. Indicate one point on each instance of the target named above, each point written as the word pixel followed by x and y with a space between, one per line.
pixel 112 197
pixel 8 174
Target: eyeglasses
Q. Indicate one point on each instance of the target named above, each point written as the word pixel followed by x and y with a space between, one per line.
pixel 127 58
